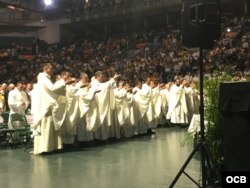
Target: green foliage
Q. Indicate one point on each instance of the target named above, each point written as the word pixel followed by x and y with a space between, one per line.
pixel 188 139
pixel 212 115
pixel 248 78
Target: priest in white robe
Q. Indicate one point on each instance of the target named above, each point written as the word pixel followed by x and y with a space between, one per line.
pixel 156 101
pixel 164 92
pixel 129 127
pixel 48 116
pixel 123 100
pixel 105 104
pixel 87 109
pixel 177 111
pixel 71 112
pixel 149 117
pixel 193 101
pixel 141 103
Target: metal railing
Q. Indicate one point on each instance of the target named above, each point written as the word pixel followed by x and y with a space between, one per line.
pixel 87 11
pixel 27 4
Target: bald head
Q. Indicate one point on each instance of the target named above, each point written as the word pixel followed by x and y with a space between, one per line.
pixel 4 86
pixel 99 75
pixel 84 77
pixel 48 68
pixel 11 86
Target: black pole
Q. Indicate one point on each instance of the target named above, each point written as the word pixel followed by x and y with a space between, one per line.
pixel 206 157
pixel 184 166
pixel 202 127
pixel 202 139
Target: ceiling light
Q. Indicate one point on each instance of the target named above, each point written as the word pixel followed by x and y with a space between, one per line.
pixel 48 2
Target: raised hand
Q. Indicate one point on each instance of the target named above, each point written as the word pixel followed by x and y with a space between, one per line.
pixel 117 76
pixel 98 91
pixel 85 85
pixel 69 80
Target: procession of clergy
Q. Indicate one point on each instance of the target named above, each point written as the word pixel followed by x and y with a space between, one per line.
pixel 71 110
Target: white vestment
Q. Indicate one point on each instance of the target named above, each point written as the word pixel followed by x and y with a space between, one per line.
pixel 177 111
pixel 193 102
pixel 150 114
pixel 121 109
pixel 87 114
pixel 156 101
pixel 33 95
pixel 141 105
pixel 105 104
pixel 129 126
pixel 71 116
pixel 123 102
pixel 48 115
pixel 18 103
pixel 164 105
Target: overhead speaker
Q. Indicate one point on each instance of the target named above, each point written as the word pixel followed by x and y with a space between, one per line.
pixel 201 23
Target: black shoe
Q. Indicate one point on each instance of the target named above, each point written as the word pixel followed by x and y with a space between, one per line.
pixel 150 131
pixel 184 126
pixel 168 123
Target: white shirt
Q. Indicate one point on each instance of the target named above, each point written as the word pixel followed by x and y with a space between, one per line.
pixel 18 101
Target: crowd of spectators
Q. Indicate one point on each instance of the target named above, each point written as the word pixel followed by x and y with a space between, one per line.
pixel 158 52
